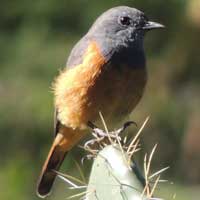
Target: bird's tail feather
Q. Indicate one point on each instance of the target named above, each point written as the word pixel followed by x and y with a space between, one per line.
pixel 53 162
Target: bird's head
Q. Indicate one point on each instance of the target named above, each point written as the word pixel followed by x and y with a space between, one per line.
pixel 122 27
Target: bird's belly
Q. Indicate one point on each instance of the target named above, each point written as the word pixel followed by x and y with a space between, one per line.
pixel 117 93
pixel 114 93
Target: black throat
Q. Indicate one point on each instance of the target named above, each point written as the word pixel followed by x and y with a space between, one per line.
pixel 131 57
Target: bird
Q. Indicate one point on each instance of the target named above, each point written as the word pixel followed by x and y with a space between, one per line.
pixel 105 72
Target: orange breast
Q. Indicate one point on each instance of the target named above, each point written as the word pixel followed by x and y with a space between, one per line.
pixel 93 86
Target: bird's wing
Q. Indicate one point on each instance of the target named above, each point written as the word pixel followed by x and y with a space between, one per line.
pixel 56 122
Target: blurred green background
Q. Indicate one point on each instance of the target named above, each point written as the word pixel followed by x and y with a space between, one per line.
pixel 35 40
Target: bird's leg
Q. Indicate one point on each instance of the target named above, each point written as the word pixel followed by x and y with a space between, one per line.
pixel 102 136
pixel 98 134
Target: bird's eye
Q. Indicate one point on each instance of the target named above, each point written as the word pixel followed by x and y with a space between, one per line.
pixel 125 21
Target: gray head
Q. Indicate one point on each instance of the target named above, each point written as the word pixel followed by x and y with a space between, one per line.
pixel 123 26
pixel 119 33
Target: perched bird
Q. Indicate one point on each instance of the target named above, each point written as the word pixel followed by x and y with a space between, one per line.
pixel 105 72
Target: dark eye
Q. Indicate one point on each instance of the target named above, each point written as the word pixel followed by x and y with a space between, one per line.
pixel 125 21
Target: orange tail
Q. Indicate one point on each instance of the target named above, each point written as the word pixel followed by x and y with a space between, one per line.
pixel 65 139
pixel 53 162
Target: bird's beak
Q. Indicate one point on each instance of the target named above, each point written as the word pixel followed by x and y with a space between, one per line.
pixel 152 25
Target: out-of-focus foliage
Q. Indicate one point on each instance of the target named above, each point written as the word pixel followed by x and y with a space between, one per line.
pixel 35 40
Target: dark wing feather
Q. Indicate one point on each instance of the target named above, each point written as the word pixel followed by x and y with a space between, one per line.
pixel 56 123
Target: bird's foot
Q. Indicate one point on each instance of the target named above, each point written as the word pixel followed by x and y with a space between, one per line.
pixel 102 137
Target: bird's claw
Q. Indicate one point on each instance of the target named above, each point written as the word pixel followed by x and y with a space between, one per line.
pixel 100 136
pixel 124 127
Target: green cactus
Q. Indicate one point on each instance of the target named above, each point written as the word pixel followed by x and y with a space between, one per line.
pixel 112 177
